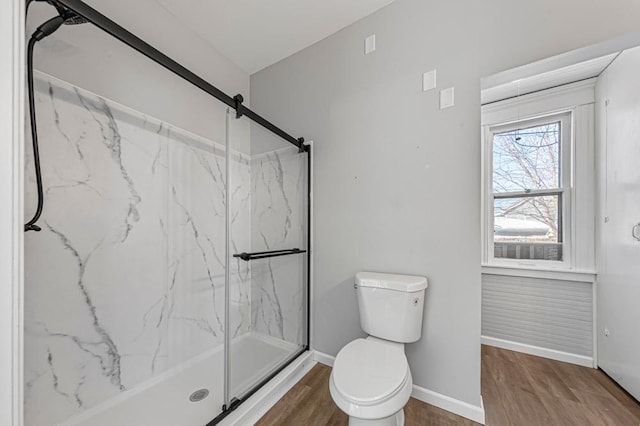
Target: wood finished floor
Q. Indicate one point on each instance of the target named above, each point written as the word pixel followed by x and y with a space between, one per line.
pixel 517 389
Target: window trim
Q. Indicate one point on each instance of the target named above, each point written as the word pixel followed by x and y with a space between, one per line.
pixel 579 98
pixel 565 118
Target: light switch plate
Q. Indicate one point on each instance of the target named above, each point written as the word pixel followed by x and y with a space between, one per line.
pixel 447 98
pixel 429 80
pixel 369 44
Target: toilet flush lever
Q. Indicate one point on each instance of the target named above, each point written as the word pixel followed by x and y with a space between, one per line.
pixel 635 231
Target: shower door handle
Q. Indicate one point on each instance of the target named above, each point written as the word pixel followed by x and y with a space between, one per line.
pixel 264 254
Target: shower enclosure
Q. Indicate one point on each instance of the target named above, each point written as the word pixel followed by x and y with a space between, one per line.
pixel 170 278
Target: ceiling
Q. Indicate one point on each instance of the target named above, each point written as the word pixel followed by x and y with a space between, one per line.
pixel 257 33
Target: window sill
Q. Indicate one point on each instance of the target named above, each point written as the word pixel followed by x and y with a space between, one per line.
pixel 587 276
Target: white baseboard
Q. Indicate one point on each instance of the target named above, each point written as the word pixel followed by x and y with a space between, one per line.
pixel 585 361
pixel 455 406
pixel 259 403
pixel 323 358
pixel 436 399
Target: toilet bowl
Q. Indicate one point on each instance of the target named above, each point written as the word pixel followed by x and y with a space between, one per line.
pixel 371 380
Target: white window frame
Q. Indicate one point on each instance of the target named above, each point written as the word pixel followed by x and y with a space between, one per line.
pixel 564 189
pixel 574 103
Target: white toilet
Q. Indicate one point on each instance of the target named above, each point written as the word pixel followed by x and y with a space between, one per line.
pixel 371 381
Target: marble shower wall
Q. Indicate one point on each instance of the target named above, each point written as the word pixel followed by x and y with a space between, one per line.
pixel 278 221
pixel 126 278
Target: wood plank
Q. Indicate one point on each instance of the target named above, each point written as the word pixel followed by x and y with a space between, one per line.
pixel 524 389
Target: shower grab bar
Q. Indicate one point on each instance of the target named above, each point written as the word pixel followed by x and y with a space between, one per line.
pixel 264 254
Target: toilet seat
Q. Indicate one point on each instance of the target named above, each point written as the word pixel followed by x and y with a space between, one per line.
pixel 371 378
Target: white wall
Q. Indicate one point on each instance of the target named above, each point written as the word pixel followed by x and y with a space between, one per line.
pixel 550 314
pixel 397 180
pixel 618 211
pixel 11 82
pixel 89 58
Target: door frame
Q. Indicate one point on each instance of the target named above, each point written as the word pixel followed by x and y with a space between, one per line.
pixel 12 41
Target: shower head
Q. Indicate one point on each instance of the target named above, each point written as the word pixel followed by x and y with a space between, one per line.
pixel 65 17
pixel 70 17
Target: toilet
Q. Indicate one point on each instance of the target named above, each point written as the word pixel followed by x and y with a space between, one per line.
pixel 371 380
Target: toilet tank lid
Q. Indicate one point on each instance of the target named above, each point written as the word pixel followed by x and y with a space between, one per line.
pixel 406 283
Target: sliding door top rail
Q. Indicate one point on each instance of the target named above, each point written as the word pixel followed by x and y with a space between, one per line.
pixel 115 30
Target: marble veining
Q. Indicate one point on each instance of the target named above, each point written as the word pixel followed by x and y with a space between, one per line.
pixel 111 138
pixel 127 277
pixel 278 222
pixel 110 357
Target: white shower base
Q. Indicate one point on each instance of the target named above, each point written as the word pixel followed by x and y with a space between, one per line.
pixel 164 400
pixel 253 357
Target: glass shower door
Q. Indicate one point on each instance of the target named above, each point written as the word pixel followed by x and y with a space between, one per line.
pixel 267 255
pixel 196 275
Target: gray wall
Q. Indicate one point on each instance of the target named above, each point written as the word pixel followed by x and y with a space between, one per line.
pixel 89 58
pixel 397 180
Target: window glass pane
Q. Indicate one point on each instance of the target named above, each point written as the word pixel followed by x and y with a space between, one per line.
pixel 528 227
pixel 527 158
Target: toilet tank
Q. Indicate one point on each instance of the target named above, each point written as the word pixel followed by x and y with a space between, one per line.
pixel 390 305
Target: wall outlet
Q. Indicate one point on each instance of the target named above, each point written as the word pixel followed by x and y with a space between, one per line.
pixel 447 98
pixel 606 332
pixel 370 44
pixel 429 80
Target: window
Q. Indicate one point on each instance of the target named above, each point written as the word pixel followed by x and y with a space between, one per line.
pixel 538 157
pixel 529 189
